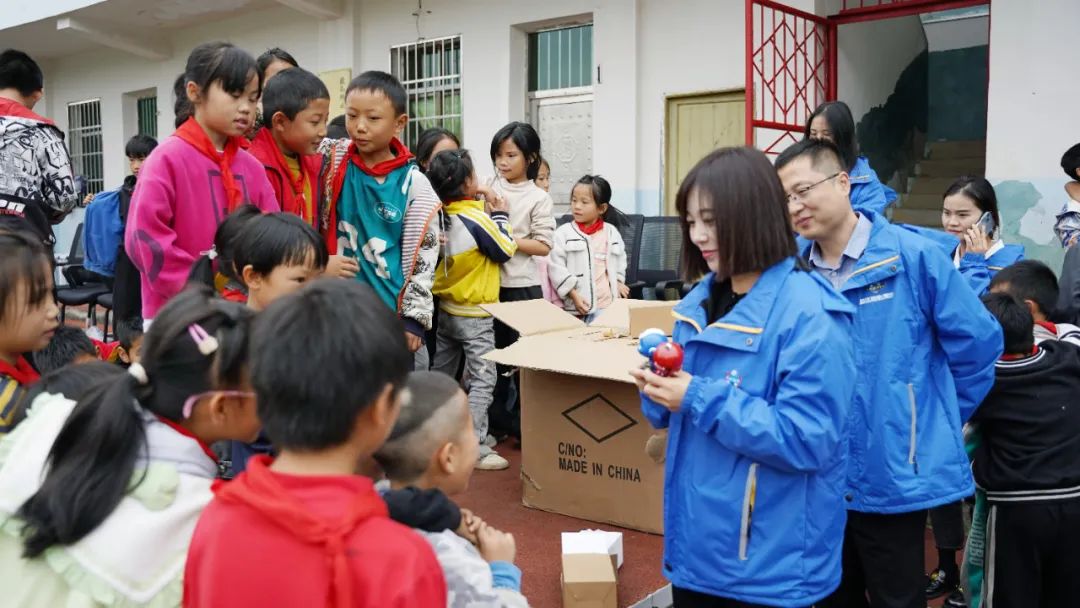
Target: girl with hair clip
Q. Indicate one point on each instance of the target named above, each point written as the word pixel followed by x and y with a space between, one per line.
pixel 99 498
pixel 832 121
pixel 217 268
pixel 587 266
pixel 197 176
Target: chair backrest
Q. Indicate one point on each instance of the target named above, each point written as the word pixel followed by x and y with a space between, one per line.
pixel 660 251
pixel 563 219
pixel 630 229
pixel 77 247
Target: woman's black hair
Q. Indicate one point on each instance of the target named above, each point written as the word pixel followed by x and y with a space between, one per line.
pixel 270 56
pixel 277 239
pixel 447 173
pixel 426 142
pixel 526 139
pixel 224 251
pixel 979 191
pixel 71 382
pixel 182 108
pixel 842 126
pixel 221 62
pixel 23 262
pixel 741 190
pixel 1070 162
pixel 92 461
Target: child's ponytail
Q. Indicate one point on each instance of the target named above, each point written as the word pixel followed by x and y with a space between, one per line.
pixel 92 462
pixel 447 172
pixel 220 257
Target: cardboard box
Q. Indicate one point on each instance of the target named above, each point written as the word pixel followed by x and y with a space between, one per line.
pixel 583 434
pixel 595 541
pixel 588 581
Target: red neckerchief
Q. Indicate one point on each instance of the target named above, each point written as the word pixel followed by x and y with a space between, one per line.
pixel 234 295
pixel 186 433
pixel 193 134
pixel 591 230
pixel 10 107
pixel 21 372
pixel 1047 326
pixel 402 156
pixel 1007 357
pixel 258 488
pixel 264 138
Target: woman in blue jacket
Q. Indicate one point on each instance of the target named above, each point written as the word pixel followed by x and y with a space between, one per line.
pixel 976 253
pixel 754 481
pixel 832 121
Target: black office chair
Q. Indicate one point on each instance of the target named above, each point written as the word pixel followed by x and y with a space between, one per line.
pixel 658 260
pixel 83 287
pixel 565 218
pixel 630 226
pixel 105 301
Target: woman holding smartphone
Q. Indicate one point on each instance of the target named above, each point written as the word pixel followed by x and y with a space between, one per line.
pixel 970 213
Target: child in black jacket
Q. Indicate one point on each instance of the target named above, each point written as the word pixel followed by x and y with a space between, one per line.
pixel 1029 466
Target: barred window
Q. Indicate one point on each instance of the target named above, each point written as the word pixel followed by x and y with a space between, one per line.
pixel 84 142
pixel 561 58
pixel 147 115
pixel 430 71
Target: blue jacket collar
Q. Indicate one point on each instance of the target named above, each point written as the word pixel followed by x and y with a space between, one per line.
pixel 880 260
pixel 748 317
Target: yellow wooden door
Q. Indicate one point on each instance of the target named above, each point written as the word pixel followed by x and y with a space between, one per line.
pixel 696 125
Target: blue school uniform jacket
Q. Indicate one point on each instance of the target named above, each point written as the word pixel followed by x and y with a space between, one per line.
pixel 977 269
pixel 753 497
pixel 925 348
pixel 867 191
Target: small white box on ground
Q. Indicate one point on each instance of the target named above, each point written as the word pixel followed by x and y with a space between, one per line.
pixel 594 541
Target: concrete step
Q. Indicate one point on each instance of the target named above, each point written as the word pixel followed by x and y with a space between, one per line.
pixel 935 186
pixel 926 202
pixel 919 217
pixel 951 168
pixel 956 149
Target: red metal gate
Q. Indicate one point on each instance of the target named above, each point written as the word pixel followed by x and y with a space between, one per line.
pixel 790 69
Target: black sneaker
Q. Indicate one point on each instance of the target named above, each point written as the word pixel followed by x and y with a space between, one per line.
pixel 956 599
pixel 938 584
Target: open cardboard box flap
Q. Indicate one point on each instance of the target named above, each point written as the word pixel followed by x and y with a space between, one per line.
pixel 532 317
pixel 631 317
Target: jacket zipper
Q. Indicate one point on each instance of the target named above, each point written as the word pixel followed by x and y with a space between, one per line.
pixel 914 429
pixel 747 510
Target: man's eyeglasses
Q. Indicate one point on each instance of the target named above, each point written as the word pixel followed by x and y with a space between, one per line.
pixel 800 194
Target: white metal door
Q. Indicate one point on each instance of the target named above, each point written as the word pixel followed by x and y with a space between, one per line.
pixel 563 119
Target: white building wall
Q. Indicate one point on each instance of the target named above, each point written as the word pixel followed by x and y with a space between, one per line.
pixel 870 58
pixel 1032 115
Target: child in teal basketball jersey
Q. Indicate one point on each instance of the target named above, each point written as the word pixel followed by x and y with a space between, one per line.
pixel 380 218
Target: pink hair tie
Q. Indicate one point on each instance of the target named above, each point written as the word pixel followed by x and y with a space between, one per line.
pixel 206 343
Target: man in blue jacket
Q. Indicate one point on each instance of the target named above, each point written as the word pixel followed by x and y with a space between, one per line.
pixel 925 349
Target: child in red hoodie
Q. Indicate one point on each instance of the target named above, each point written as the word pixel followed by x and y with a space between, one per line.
pixel 27 317
pixel 319 534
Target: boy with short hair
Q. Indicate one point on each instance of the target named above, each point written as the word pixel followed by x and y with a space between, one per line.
pixel 129 335
pixel 1067 229
pixel 296 107
pixel 434 446
pixel 37 188
pixel 319 534
pixel 68 346
pixel 1034 284
pixel 381 211
pixel 1028 463
pixel 127 284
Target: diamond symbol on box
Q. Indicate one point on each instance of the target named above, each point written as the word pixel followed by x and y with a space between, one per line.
pixel 599 418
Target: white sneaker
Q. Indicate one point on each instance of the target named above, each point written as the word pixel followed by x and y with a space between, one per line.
pixel 490 441
pixel 492 462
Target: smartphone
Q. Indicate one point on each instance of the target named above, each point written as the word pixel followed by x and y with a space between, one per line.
pixel 986 222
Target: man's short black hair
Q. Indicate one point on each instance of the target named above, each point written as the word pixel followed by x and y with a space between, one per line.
pixel 1070 162
pixel 1030 280
pixel 140 146
pixel 381 82
pixel 1016 321
pixel 66 345
pixel 290 92
pixel 320 357
pixel 18 71
pixel 824 156
pixel 128 331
